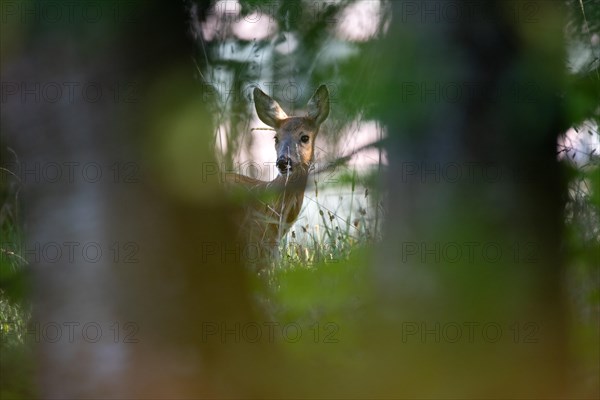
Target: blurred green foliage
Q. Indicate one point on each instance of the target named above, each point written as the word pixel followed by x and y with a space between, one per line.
pixel 328 285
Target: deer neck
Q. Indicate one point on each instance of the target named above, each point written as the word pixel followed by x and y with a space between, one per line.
pixel 294 182
pixel 290 189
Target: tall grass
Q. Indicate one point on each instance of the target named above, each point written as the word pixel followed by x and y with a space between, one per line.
pixel 13 314
pixel 16 361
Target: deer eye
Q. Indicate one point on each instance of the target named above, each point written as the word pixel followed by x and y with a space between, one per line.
pixel 276 140
pixel 304 139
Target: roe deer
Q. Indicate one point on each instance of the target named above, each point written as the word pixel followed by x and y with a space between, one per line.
pixel 276 204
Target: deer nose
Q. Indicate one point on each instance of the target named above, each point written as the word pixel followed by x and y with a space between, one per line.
pixel 284 164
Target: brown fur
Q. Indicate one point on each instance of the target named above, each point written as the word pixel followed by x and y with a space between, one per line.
pixel 274 206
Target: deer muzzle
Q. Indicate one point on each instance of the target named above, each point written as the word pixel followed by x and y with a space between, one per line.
pixel 284 164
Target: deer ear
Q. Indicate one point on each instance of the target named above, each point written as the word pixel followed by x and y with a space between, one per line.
pixel 318 105
pixel 267 109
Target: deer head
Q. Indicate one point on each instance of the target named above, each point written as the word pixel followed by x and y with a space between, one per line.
pixel 294 136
